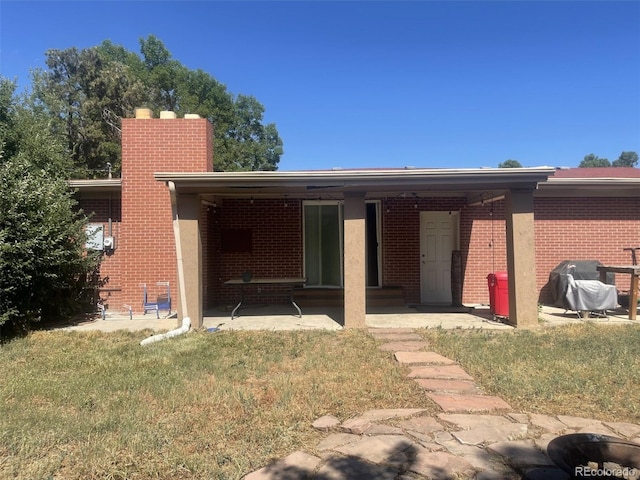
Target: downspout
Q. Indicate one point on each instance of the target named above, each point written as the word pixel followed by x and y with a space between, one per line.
pixel 186 321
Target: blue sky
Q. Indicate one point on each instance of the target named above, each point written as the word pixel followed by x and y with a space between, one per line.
pixel 357 84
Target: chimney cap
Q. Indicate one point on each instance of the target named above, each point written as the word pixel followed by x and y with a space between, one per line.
pixel 167 114
pixel 191 116
pixel 143 113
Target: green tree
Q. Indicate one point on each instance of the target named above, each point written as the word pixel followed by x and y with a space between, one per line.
pixel 248 144
pixel 510 164
pixel 85 95
pixel 592 160
pixel 87 92
pixel 43 264
pixel 626 159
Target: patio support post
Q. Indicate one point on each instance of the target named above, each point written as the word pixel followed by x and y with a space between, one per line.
pixel 189 252
pixel 355 287
pixel 521 261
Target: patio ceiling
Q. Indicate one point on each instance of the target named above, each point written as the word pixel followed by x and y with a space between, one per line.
pixel 470 183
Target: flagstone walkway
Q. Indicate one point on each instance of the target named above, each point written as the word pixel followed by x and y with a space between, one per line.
pixel 477 436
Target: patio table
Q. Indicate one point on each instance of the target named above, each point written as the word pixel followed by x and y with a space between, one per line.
pixel 256 282
pixel 634 271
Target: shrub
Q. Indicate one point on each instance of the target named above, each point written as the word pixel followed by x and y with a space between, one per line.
pixel 43 264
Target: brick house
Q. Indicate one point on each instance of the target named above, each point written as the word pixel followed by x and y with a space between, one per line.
pixel 358 237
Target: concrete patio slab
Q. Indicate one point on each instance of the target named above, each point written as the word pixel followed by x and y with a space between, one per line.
pixel 281 317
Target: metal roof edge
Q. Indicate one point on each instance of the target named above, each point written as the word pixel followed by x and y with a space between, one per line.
pixel 577 181
pixel 533 174
pixel 100 184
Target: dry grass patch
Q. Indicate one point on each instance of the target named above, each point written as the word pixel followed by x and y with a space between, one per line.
pixel 95 405
pixel 586 370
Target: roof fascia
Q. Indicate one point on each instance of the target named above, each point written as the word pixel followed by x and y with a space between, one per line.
pixel 97 185
pixel 454 179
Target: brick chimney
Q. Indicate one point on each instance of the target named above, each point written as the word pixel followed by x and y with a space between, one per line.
pixel 146 246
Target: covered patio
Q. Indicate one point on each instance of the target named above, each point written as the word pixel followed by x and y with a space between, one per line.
pixel 277 318
pixel 430 190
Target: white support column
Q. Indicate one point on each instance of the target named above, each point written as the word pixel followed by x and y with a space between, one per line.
pixel 355 286
pixel 521 259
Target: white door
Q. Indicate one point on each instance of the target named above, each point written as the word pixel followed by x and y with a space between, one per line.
pixel 438 237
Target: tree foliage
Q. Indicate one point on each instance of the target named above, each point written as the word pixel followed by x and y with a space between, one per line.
pixel 43 265
pixel 87 91
pixel 592 160
pixel 510 164
pixel 626 159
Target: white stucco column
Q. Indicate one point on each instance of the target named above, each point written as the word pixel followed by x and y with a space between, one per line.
pixel 355 285
pixel 521 258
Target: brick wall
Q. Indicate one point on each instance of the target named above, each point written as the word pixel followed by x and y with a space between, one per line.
pixel 401 244
pixel 100 210
pixel 584 229
pixel 484 248
pixel 565 229
pixel 146 245
pixel 276 247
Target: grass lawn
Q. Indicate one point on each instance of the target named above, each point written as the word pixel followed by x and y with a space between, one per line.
pixel 95 405
pixel 586 369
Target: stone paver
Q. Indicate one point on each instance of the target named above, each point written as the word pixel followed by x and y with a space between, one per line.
pixel 521 453
pixel 441 465
pixel 336 440
pixel 381 429
pixel 357 425
pixel 439 371
pixel 406 346
pixel 577 422
pixel 421 425
pixel 378 448
pixel 326 423
pixel 350 468
pixel 452 402
pixel 447 385
pixel 387 413
pixel 625 429
pixel 410 444
pixel 548 423
pixel 293 466
pixel 422 358
pixel 491 434
pixel 597 428
pixel 466 421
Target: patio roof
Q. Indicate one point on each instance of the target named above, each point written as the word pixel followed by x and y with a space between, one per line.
pixel 437 182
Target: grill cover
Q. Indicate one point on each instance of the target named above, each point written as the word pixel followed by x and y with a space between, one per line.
pixel 584 270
